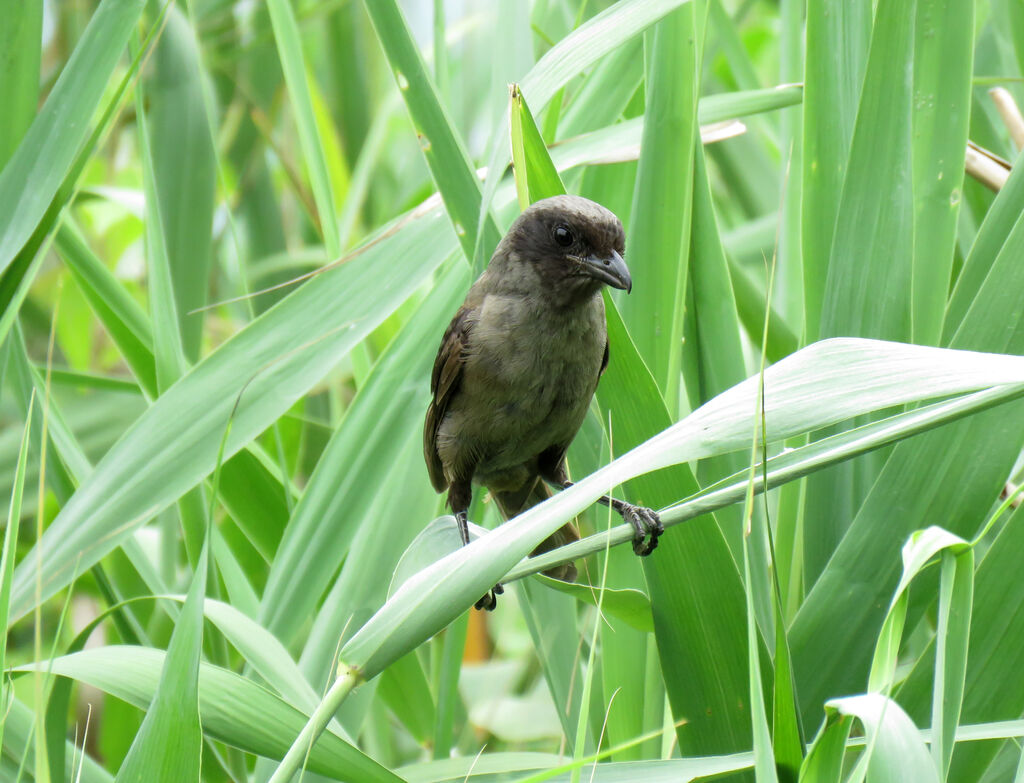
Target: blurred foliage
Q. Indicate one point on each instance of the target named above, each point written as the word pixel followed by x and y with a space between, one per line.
pixel 231 235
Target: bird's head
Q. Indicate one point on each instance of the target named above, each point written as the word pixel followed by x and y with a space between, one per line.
pixel 571 244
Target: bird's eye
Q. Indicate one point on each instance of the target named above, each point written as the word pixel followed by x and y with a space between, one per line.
pixel 563 235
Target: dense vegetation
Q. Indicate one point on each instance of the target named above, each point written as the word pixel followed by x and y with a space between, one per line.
pixel 231 236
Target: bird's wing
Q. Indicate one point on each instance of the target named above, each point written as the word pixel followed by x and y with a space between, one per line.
pixel 604 359
pixel 444 383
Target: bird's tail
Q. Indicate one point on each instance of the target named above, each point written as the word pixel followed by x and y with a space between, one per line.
pixel 513 503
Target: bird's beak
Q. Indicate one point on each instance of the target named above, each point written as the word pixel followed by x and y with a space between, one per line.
pixel 610 269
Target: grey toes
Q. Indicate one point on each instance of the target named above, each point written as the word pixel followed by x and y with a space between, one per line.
pixel 647 528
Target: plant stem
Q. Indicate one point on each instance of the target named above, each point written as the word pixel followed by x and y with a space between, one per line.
pixel 296 756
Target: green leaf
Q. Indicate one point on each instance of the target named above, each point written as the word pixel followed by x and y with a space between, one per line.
pixel 588 43
pixel 658 244
pixel 867 292
pixel 943 56
pixel 337 499
pixel 167 747
pixel 289 48
pixel 631 606
pixel 924 483
pixel 125 322
pixel 168 349
pixel 440 143
pixel 20 41
pixel 895 750
pixel 837 45
pixel 31 177
pixel 991 688
pixel 179 129
pixel 233 710
pixel 956 597
pixel 10 545
pixel 19 742
pixel 266 366
pixel 1000 222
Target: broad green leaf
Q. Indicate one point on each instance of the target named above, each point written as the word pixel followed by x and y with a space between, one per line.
pixel 926 484
pixel 627 604
pixel 658 245
pixel 338 496
pixel 545 766
pixel 895 750
pixel 991 689
pixel 867 291
pixel 21 42
pixel 179 129
pixel 956 597
pixel 404 688
pixel 999 223
pixel 439 538
pixel 837 45
pixel 265 367
pixel 605 92
pixel 36 169
pixel 168 348
pixel 233 709
pixel 588 43
pixel 868 288
pixel 167 746
pixel 943 54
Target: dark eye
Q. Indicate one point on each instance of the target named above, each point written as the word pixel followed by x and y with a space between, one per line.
pixel 563 235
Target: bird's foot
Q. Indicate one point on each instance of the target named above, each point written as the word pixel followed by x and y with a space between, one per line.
pixel 646 525
pixel 490 600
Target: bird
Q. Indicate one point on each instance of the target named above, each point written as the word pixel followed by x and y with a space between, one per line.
pixel 519 364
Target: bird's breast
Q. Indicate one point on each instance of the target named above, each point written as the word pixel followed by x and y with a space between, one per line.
pixel 531 353
pixel 534 371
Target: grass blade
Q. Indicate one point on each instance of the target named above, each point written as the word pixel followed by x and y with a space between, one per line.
pixel 444 151
pixel 167 747
pixel 837 45
pixel 31 177
pixel 659 240
pixel 9 549
pixel 289 48
pixel 174 444
pixel 179 128
pixel 20 40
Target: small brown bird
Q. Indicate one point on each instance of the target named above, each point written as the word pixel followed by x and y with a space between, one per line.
pixel 519 364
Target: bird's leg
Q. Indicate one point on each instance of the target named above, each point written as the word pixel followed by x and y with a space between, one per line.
pixel 460 495
pixel 463 522
pixel 645 521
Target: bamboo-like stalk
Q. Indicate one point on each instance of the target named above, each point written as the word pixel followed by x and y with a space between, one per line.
pixel 349 678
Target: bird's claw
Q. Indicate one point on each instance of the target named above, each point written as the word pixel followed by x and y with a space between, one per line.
pixel 490 600
pixel 647 526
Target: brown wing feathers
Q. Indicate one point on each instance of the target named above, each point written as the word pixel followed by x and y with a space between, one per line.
pixel 444 382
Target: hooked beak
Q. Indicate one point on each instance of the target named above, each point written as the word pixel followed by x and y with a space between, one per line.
pixel 610 269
